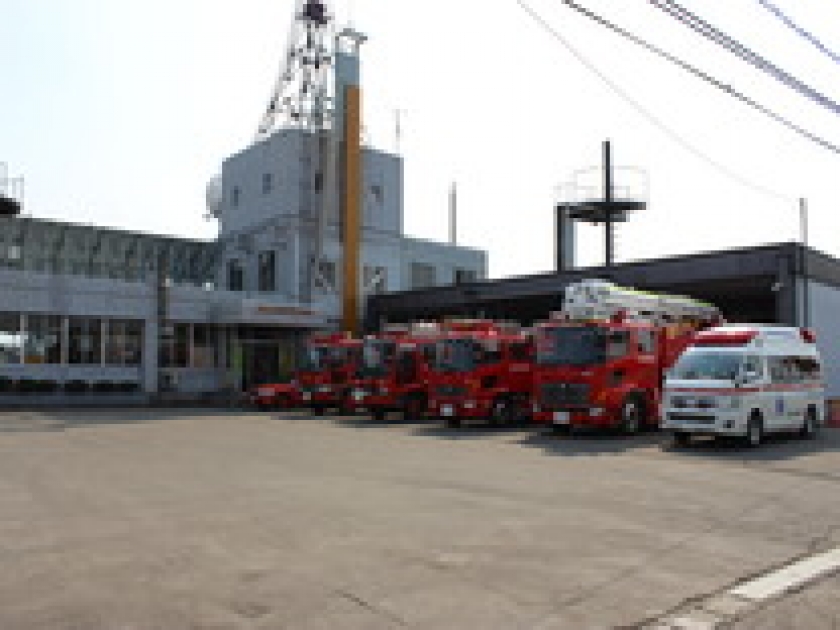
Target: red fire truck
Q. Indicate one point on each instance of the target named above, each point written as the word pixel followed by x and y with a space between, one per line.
pixel 325 371
pixel 601 361
pixel 481 370
pixel 394 372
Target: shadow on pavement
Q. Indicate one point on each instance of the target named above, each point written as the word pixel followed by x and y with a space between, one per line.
pixel 774 449
pixel 589 443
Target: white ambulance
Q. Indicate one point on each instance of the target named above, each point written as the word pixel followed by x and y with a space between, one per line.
pixel 745 381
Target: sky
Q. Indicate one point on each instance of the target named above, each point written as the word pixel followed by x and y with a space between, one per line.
pixel 118 113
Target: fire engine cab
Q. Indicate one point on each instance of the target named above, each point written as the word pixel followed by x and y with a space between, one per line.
pixel 600 362
pixel 746 382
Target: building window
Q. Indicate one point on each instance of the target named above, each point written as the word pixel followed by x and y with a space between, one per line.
pixel 235 196
pixel 465 276
pixel 236 276
pixel 378 193
pixel 267 272
pixel 376 280
pixel 319 182
pixel 175 346
pixel 326 275
pixel 11 340
pixel 267 183
pixel 124 343
pixel 42 340
pixel 423 276
pixel 205 347
pixel 85 341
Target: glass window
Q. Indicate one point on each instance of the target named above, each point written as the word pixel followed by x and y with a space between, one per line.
pixel 327 275
pixel 647 342
pixel 124 343
pixel 236 276
pixel 267 183
pixel 85 341
pixel 520 352
pixel 376 279
pixel 718 366
pixel 268 272
pixel 618 345
pixel 465 276
pixel 423 276
pixel 42 340
pixel 205 347
pixel 235 196
pixel 11 341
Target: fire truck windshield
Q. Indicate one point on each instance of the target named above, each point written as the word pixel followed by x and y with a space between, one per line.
pixel 377 357
pixel 320 358
pixel 455 355
pixel 571 345
pixel 713 366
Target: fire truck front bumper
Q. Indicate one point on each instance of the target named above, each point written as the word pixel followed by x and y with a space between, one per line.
pixel 320 396
pixel 459 408
pixel 575 417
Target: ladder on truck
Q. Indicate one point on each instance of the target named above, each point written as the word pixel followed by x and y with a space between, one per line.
pixel 589 300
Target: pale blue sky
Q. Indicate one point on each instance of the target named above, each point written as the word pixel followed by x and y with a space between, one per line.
pixel 119 111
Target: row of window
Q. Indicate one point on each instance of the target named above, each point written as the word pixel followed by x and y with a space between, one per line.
pixel 377 191
pixel 41 340
pixel 424 276
pixel 179 338
pixel 375 279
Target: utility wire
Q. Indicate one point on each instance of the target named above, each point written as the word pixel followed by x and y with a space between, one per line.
pixel 647 114
pixel 699 25
pixel 799 30
pixel 702 75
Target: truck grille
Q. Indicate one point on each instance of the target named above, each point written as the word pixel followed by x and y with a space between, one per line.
pixel 692 417
pixel 451 391
pixel 559 395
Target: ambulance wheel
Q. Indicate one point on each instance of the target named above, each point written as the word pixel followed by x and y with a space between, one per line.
pixel 632 415
pixel 755 431
pixel 809 424
pixel 681 439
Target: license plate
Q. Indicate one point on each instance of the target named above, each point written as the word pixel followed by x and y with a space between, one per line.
pixel 447 410
pixel 307 396
pixel 358 396
pixel 561 417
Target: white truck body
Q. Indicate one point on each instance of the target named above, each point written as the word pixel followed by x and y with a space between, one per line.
pixel 733 376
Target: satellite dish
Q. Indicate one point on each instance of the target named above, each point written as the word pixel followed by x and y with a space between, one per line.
pixel 215 197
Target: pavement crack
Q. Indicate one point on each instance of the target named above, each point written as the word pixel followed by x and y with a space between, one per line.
pixel 370 607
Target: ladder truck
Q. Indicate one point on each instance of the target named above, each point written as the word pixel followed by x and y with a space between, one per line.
pixel 601 361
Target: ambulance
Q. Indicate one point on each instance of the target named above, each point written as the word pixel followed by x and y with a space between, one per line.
pixel 745 381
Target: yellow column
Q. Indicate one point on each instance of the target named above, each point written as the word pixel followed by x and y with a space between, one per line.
pixel 351 208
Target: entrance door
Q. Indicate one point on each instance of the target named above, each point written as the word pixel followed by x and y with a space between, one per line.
pixel 261 364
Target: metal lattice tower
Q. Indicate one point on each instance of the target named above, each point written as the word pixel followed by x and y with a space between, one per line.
pixel 304 94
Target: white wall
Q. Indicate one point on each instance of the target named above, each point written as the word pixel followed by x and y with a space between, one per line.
pixel 824 316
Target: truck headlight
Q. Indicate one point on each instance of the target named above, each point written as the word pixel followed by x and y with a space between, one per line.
pixel 470 404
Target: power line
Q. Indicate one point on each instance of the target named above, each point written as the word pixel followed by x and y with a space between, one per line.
pixel 703 75
pixel 799 30
pixel 699 25
pixel 647 114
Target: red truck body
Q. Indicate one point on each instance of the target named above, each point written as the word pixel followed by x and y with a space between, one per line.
pixel 394 376
pixel 482 370
pixel 603 374
pixel 326 370
pixel 276 396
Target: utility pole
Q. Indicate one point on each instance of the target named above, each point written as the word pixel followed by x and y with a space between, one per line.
pixel 803 236
pixel 608 203
pixel 453 214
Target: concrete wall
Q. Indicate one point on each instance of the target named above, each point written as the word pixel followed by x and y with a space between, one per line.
pixel 824 313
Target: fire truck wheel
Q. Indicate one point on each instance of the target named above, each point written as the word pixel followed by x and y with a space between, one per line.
pixel 453 423
pixel 318 411
pixel 632 415
pixel 755 431
pixel 280 403
pixel 414 408
pixel 378 415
